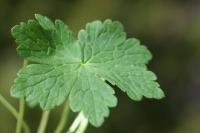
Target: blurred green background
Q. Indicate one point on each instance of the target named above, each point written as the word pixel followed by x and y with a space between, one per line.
pixel 169 28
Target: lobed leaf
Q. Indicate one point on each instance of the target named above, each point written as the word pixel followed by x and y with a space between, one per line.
pixel 78 68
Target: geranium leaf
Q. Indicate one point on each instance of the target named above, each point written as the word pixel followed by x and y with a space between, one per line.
pixel 63 66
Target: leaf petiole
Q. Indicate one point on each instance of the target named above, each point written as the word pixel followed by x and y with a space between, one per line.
pixel 79 125
pixel 21 109
pixel 83 126
pixel 63 119
pixel 20 115
pixel 14 112
pixel 43 122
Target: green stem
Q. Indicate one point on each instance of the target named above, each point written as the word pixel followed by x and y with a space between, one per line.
pixel 20 115
pixel 21 109
pixel 63 119
pixel 83 126
pixel 8 106
pixel 79 125
pixel 14 112
pixel 43 122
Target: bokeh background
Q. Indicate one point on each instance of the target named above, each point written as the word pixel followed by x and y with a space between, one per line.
pixel 169 28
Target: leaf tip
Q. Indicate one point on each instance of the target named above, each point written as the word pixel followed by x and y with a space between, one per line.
pixel 161 95
pixel 13 30
pixel 37 15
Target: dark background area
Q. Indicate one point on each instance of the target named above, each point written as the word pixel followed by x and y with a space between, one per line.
pixel 169 28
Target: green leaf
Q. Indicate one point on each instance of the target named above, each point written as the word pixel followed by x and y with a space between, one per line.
pixel 44 84
pixel 92 96
pixel 45 22
pixel 55 46
pixel 78 68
